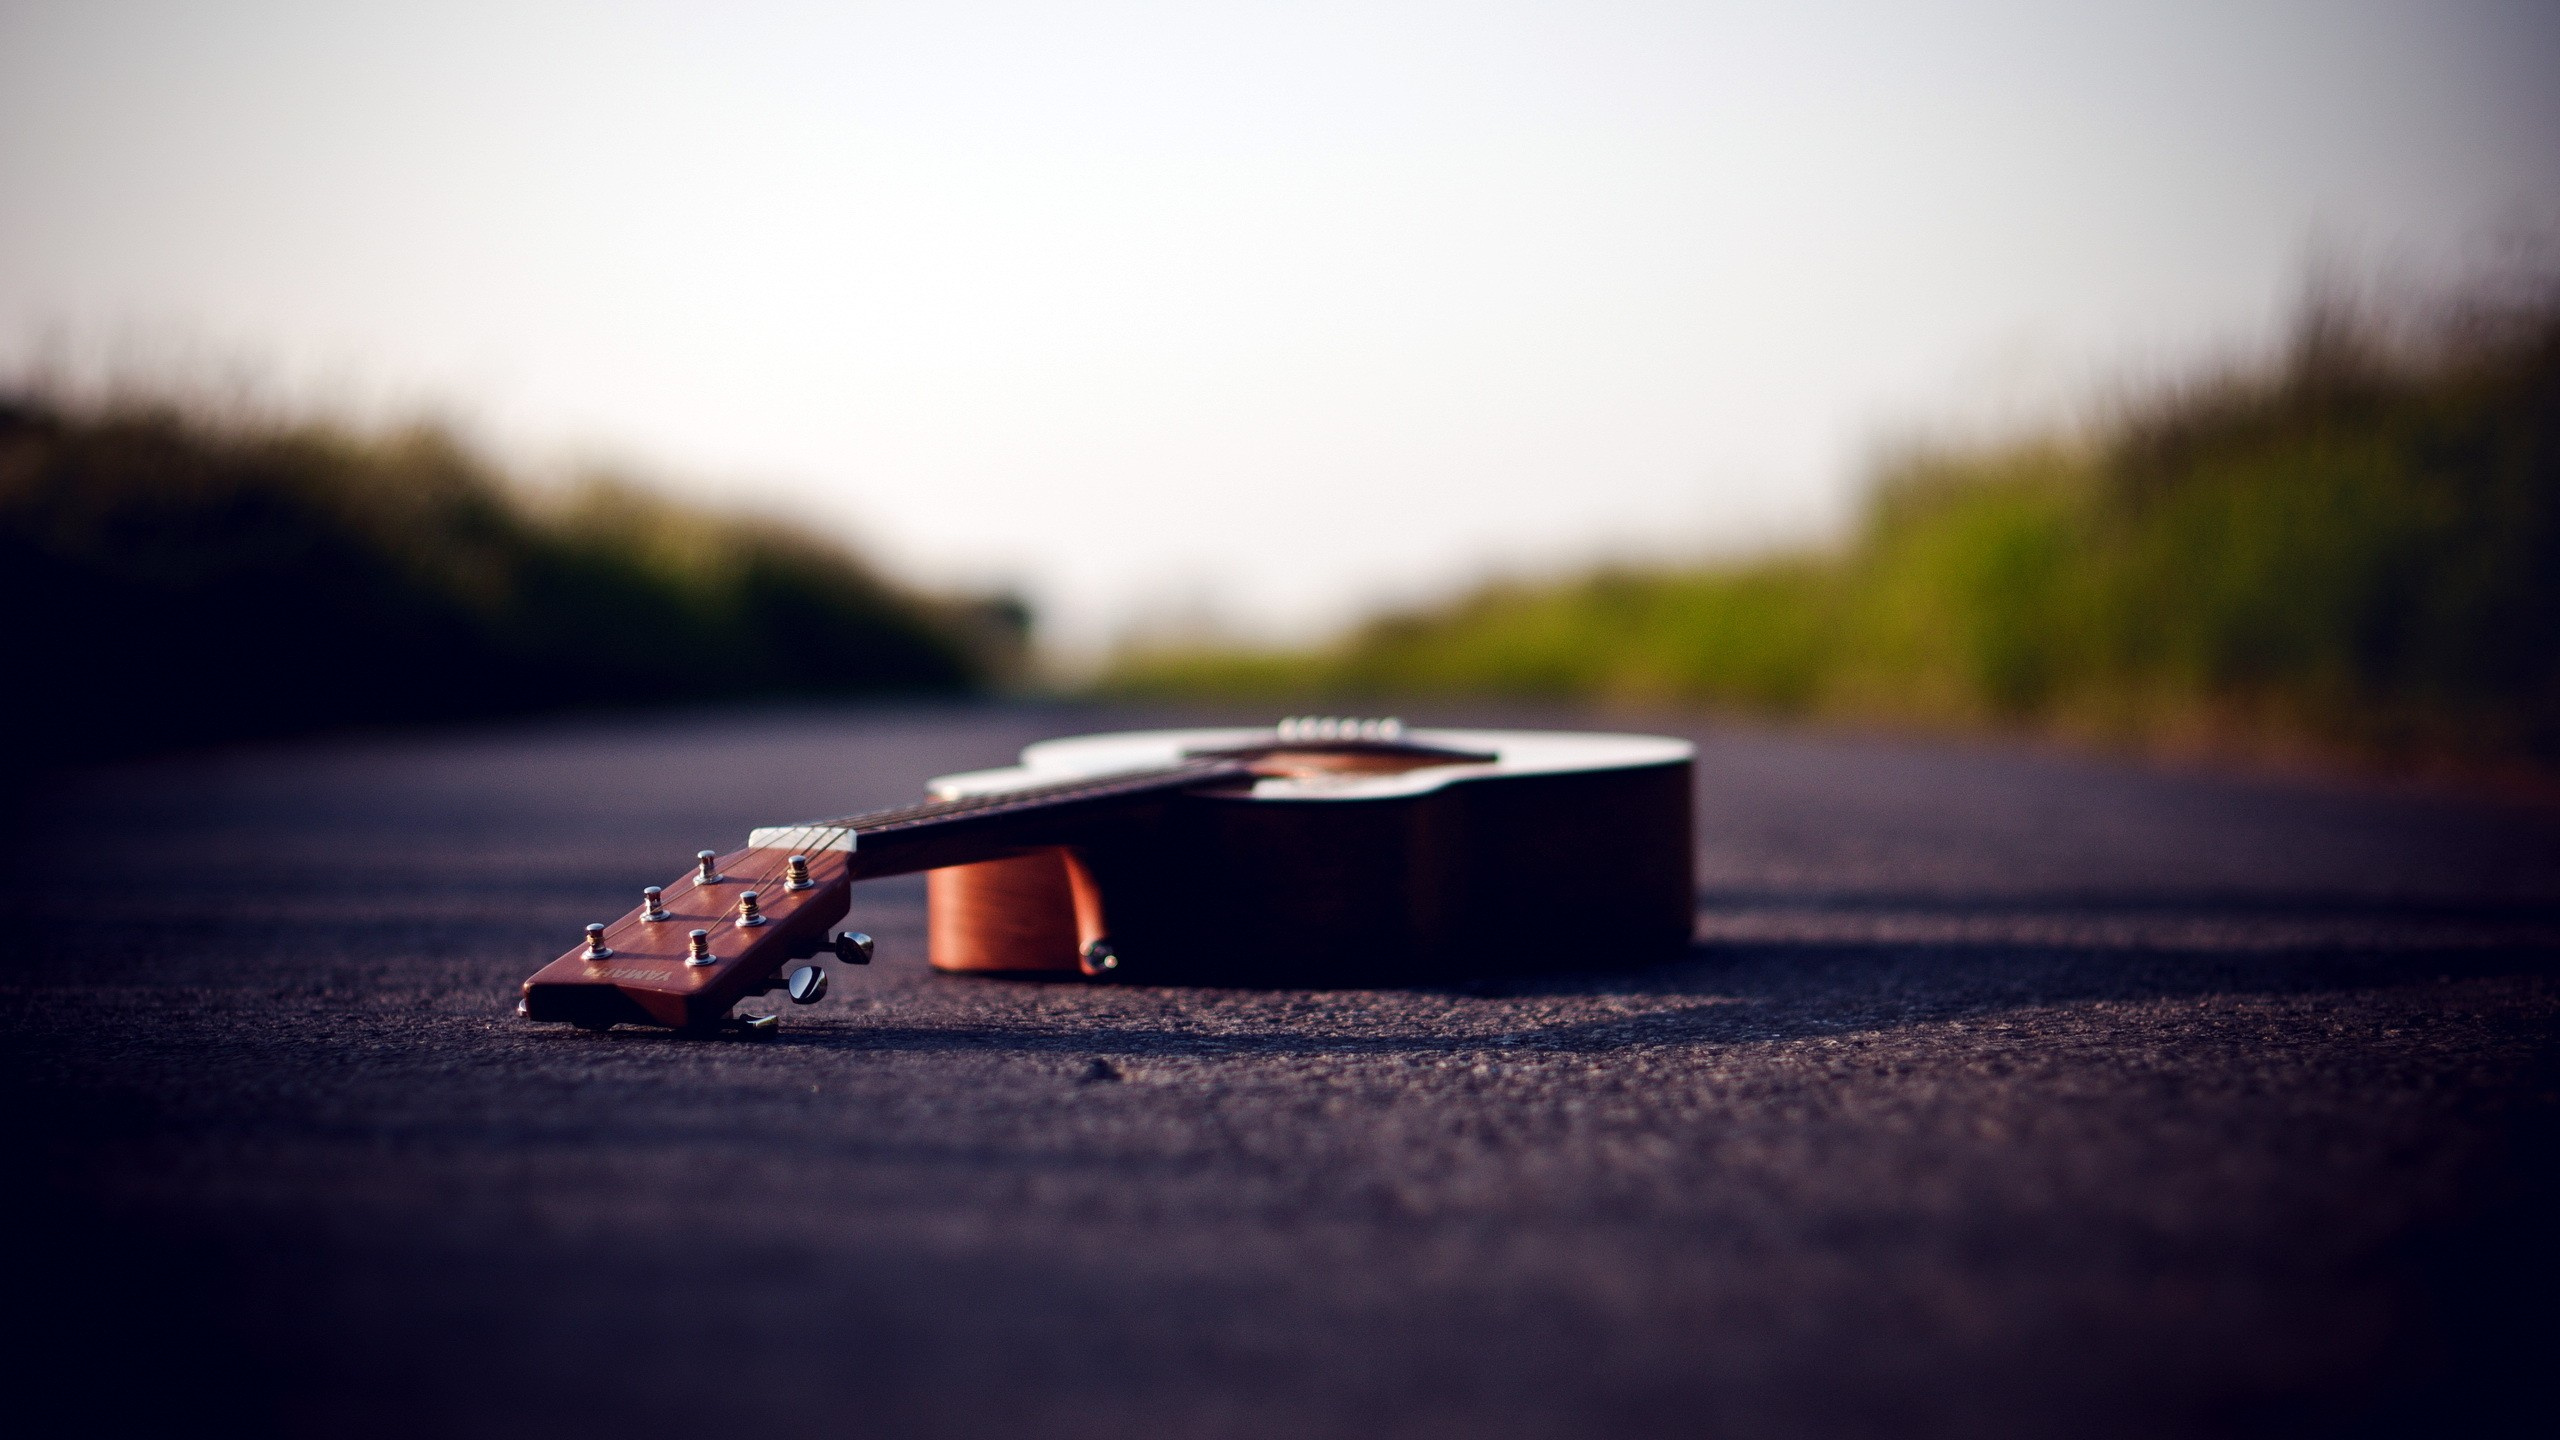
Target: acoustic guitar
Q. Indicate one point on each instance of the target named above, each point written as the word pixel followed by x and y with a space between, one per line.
pixel 1322 852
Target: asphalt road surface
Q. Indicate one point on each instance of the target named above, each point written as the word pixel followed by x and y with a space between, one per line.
pixel 2003 1093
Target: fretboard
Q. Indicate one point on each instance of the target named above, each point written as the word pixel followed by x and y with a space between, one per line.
pixel 928 832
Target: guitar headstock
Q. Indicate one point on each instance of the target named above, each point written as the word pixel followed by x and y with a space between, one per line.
pixel 696 946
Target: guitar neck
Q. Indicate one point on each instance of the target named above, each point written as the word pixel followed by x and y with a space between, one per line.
pixel 959 831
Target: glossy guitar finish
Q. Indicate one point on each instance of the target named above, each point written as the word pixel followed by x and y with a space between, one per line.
pixel 1563 850
pixel 1332 857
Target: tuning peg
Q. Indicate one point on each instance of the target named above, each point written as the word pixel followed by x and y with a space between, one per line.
pixel 796 874
pixel 697 948
pixel 808 985
pixel 1098 959
pixel 852 947
pixel 596 948
pixel 710 864
pixel 748 914
pixel 650 908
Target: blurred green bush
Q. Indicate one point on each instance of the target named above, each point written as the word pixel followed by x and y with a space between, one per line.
pixel 175 580
pixel 2355 549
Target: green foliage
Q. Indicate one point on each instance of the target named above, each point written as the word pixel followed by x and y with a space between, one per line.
pixel 176 582
pixel 2359 548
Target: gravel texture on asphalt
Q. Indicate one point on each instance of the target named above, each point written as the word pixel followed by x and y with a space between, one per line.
pixel 2003 1093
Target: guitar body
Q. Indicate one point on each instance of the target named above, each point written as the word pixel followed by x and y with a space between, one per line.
pixel 1566 851
pixel 1318 853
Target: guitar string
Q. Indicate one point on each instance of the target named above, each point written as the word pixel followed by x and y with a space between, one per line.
pixel 1180 774
pixel 1177 775
pixel 995 803
pixel 900 817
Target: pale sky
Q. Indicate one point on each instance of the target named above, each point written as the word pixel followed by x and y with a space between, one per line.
pixel 1274 311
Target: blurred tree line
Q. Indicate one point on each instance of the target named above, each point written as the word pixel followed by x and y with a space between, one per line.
pixel 176 580
pixel 2354 548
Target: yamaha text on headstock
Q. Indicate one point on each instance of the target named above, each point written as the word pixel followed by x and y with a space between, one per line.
pixel 1320 852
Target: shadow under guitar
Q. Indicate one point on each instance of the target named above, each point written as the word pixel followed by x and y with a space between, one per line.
pixel 1748 992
